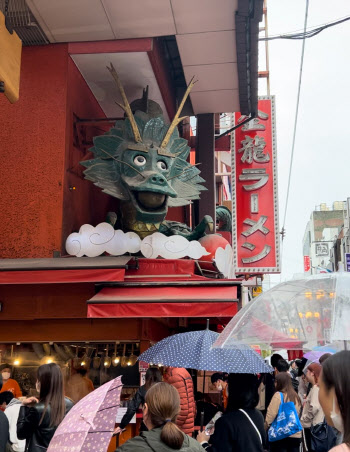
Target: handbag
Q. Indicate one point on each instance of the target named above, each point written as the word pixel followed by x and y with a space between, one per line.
pixel 323 437
pixel 286 423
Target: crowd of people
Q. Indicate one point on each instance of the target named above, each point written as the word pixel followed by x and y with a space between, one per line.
pixel 302 406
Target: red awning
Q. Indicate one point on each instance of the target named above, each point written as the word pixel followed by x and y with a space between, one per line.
pixel 175 301
pixel 61 276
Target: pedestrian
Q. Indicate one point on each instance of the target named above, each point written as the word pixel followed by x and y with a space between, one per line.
pixel 334 396
pixel 241 428
pixel 283 366
pixel 182 382
pixel 84 373
pixel 4 428
pixel 312 412
pixel 77 387
pixel 8 383
pixel 324 357
pixel 274 360
pixel 11 407
pixel 285 389
pixel 219 381
pixel 39 419
pixel 162 405
pixel 153 376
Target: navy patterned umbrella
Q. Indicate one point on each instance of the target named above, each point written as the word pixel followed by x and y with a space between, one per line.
pixel 194 350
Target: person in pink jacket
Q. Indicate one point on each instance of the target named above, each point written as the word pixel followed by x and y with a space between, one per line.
pixel 334 396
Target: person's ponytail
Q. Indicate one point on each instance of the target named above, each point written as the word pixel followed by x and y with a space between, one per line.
pixel 172 436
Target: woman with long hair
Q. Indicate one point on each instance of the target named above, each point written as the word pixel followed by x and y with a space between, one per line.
pixel 153 376
pixel 312 412
pixel 162 405
pixel 283 384
pixel 39 418
pixel 241 428
pixel 334 395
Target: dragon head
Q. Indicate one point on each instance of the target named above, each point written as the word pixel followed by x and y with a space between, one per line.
pixel 143 161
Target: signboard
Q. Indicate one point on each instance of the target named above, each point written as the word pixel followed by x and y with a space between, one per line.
pixel 347 262
pixel 321 249
pixel 255 230
pixel 307 264
pixel 120 413
pixel 257 291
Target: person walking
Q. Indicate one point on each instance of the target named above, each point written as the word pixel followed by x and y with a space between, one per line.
pixel 8 383
pixel 312 412
pixel 11 407
pixel 153 376
pixel 161 407
pixel 241 428
pixel 182 382
pixel 39 419
pixel 219 381
pixel 334 395
pixel 285 388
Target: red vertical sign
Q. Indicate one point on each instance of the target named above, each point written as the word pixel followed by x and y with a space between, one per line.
pixel 254 196
pixel 307 264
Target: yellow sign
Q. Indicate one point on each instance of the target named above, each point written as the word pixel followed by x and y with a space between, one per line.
pixel 10 61
pixel 257 291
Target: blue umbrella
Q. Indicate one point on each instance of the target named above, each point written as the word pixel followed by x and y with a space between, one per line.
pixel 194 350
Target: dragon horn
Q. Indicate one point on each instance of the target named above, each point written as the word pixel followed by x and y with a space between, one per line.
pixel 177 118
pixel 126 106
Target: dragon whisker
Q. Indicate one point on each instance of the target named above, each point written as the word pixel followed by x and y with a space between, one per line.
pixel 184 171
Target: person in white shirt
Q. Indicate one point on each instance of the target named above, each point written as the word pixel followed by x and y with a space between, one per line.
pixel 11 405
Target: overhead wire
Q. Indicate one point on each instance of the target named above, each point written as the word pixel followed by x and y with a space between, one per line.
pixel 306 33
pixel 295 126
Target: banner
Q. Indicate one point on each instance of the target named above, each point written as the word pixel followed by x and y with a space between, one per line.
pixel 255 230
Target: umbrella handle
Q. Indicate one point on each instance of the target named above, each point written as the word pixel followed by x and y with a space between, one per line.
pixel 202 420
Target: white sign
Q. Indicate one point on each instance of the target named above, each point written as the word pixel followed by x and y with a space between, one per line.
pixel 120 414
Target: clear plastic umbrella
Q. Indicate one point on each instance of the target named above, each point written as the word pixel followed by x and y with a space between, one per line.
pixel 297 314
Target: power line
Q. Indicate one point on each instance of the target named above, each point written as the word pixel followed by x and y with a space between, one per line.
pixel 296 118
pixel 306 34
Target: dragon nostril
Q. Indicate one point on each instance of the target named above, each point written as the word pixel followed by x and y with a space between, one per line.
pixel 154 179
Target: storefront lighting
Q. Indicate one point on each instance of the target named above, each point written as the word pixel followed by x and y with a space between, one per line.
pixel 308 315
pixel 49 361
pixel 16 362
pixel 291 330
pixel 115 357
pixel 317 315
pixel 107 359
pixel 308 295
pixel 301 315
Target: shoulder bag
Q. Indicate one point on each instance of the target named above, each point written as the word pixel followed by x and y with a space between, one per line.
pixel 286 423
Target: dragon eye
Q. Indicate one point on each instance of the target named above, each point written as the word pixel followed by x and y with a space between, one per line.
pixel 140 160
pixel 162 165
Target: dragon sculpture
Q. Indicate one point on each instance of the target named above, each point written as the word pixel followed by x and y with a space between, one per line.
pixel 223 219
pixel 142 161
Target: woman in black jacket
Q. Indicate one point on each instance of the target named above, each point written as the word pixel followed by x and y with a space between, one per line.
pixel 241 428
pixel 39 419
pixel 153 376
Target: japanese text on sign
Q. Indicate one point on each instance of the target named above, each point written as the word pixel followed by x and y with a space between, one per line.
pixel 254 181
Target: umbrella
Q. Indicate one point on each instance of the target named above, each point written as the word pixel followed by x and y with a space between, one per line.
pixel 89 425
pixel 314 355
pixel 301 313
pixel 194 350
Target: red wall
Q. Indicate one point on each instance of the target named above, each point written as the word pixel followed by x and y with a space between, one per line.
pixel 87 203
pixel 32 156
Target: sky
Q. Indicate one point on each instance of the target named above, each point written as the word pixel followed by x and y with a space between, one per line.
pixel 321 165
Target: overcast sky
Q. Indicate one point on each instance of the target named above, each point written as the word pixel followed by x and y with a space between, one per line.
pixel 321 165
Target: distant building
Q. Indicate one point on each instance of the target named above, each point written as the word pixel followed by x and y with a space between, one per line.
pixel 321 231
pixel 340 252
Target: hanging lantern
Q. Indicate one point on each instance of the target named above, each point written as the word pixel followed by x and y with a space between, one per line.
pixel 96 362
pixel 124 360
pixel 132 358
pixel 107 359
pixel 115 357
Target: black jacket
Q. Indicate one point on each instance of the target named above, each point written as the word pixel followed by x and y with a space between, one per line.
pixel 37 436
pixel 235 433
pixel 4 431
pixel 137 400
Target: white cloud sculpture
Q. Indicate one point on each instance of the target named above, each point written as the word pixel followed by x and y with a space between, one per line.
pixel 173 247
pixel 93 241
pixel 224 261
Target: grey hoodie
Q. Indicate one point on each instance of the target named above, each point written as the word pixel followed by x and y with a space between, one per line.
pixel 150 442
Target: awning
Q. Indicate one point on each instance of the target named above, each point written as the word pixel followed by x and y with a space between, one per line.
pixel 199 300
pixel 61 270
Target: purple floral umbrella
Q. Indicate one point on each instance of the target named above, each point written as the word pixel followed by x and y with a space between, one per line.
pixel 90 423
